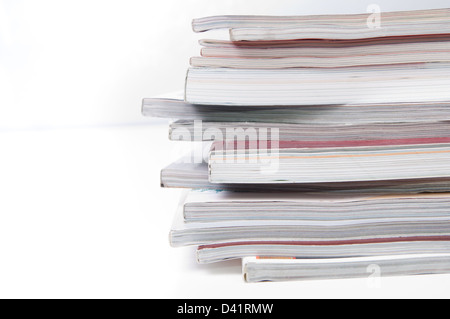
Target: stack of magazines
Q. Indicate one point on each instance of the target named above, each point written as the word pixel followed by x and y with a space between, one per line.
pixel 326 145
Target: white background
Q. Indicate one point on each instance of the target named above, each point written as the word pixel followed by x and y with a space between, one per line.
pixel 81 211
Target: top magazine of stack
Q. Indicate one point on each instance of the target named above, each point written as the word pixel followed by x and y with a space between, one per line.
pixel 334 27
pixel 323 60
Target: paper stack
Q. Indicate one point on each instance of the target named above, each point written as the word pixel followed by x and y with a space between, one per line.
pixel 328 145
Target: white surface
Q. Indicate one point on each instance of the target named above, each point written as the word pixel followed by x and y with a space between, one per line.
pixel 81 211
